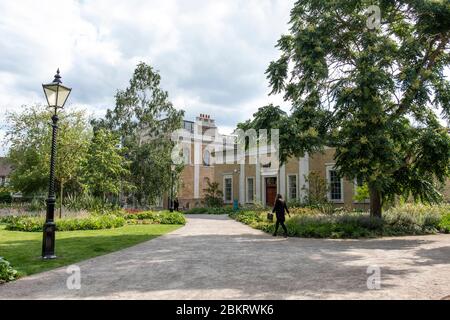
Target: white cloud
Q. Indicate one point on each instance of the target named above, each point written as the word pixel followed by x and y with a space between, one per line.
pixel 212 55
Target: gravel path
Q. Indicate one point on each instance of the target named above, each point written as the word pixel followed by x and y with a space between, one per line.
pixel 214 257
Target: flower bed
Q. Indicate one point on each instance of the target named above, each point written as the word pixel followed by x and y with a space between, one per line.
pixel 411 219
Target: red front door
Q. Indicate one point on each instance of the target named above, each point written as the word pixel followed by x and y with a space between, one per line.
pixel 271 191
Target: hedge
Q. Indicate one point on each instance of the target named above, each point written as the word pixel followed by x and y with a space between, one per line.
pixel 35 224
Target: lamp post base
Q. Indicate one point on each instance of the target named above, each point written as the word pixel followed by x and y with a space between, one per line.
pixel 48 243
pixel 50 257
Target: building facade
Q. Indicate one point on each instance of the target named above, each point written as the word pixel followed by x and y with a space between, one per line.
pixel 209 156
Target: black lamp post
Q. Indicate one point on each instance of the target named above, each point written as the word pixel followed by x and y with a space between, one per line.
pixel 56 95
pixel 172 170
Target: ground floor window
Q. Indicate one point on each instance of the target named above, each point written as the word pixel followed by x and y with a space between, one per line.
pixel 335 185
pixel 228 189
pixel 292 187
pixel 250 190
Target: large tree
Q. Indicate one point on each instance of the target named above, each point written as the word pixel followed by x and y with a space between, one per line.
pixel 29 134
pixel 104 168
pixel 144 118
pixel 374 92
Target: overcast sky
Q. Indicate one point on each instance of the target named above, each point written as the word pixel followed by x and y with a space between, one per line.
pixel 211 54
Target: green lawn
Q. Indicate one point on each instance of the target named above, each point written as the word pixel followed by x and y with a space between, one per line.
pixel 23 249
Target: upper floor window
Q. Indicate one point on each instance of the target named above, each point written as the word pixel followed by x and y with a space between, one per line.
pixel 187 155
pixel 207 158
pixel 189 126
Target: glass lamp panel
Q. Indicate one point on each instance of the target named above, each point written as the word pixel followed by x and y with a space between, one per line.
pixel 50 93
pixel 63 94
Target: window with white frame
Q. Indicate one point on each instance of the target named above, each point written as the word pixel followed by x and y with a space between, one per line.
pixel 292 187
pixel 228 189
pixel 207 158
pixel 250 190
pixel 335 185
pixel 187 155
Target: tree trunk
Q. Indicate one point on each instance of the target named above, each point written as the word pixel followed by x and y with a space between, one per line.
pixel 375 202
pixel 61 190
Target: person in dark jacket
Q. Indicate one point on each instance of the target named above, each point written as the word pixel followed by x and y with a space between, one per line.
pixel 280 209
pixel 176 205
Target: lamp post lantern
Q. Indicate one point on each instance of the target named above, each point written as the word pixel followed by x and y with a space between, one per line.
pixel 172 170
pixel 56 95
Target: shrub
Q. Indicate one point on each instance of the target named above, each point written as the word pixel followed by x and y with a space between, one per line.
pixel 337 226
pixel 8 219
pixel 414 219
pixel 213 195
pixel 87 201
pixel 295 203
pixel 172 218
pixel 35 224
pixel 197 211
pixel 151 217
pixel 221 210
pixel 256 206
pixel 7 273
pixel 303 211
pixel 133 211
pixel 317 190
pixel 5 197
pixel 249 217
pixel 37 204
pixel 444 224
pixel 411 219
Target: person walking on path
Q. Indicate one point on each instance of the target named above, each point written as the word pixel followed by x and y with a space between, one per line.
pixel 280 209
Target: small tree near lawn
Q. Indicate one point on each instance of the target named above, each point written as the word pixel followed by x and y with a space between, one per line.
pixel 317 190
pixel 213 195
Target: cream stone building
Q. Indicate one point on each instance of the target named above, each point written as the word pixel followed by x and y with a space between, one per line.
pixel 253 182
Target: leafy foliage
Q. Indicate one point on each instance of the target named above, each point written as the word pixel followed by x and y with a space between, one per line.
pixel 214 210
pixel 5 196
pixel 86 201
pixel 7 273
pixel 213 197
pixel 410 219
pixel 30 133
pixel 144 119
pixel 35 224
pixel 317 190
pixel 444 225
pixel 163 217
pixel 104 167
pixel 370 93
pixel 362 193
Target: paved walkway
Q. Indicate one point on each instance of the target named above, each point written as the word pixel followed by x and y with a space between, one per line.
pixel 214 257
